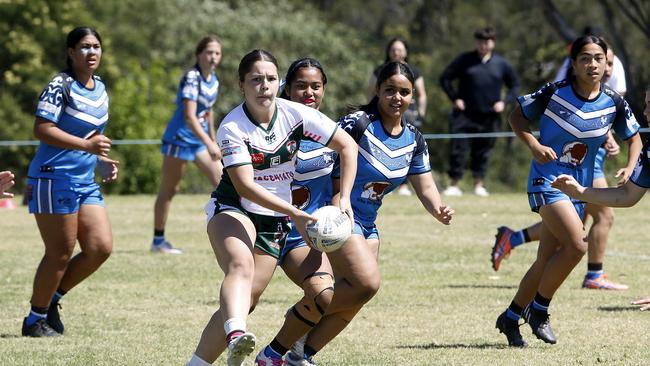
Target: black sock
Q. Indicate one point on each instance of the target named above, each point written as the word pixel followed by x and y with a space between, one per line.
pixel 158 232
pixel 309 351
pixel 277 347
pixel 541 303
pixel 594 267
pixel 515 308
pixel 526 236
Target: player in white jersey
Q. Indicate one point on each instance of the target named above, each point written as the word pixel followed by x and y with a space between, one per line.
pixel 626 195
pixel 189 136
pixel 250 210
pixel 71 116
pixel 575 117
pixel 6 182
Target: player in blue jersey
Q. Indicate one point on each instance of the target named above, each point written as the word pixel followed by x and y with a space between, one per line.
pixel 574 116
pixel 603 216
pixel 626 195
pixel 249 212
pixel 71 117
pixel 6 182
pixel 390 152
pixel 189 135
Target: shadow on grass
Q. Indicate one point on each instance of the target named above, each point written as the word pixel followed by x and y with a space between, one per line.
pixel 10 336
pixel 483 286
pixel 455 346
pixel 618 309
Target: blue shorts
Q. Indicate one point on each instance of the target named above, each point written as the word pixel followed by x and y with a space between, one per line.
pixel 367 231
pixel 181 152
pixel 294 240
pixel 538 199
pixel 59 196
pixel 599 164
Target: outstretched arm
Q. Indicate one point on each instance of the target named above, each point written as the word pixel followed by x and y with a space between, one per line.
pixel 626 195
pixel 428 194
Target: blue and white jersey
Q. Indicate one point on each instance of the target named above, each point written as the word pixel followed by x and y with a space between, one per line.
pixel 312 183
pixel 574 128
pixel 641 174
pixel 194 87
pixel 78 111
pixel 383 163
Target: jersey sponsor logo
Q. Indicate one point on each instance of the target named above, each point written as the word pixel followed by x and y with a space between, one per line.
pixel 257 158
pixel 275 177
pixel 574 153
pixel 408 156
pixel 328 157
pixel 374 191
pixel 225 142
pixel 300 196
pixel 270 138
pixel 230 150
pixel 46 107
pixel 275 161
pixel 538 181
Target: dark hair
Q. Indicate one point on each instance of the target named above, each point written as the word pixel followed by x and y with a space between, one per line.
pixel 389 69
pixel 486 33
pixel 301 63
pixel 390 44
pixel 582 41
pixel 203 43
pixel 75 36
pixel 252 57
pixel 592 30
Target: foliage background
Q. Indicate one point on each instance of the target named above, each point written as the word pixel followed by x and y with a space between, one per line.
pixel 148 44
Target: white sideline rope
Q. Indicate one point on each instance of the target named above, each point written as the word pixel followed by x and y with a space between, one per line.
pixel 427 136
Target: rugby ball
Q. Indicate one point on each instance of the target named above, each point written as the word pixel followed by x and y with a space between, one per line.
pixel 331 230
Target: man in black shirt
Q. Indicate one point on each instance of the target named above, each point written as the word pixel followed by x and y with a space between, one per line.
pixel 478 104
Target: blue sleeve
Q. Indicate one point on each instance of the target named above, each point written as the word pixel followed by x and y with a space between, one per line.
pixel 641 174
pixel 190 85
pixel 625 124
pixel 355 124
pixel 533 105
pixel 420 162
pixel 51 103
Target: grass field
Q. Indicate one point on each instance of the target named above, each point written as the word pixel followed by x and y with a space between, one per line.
pixel 437 305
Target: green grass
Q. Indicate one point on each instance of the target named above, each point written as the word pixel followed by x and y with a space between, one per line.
pixel 437 304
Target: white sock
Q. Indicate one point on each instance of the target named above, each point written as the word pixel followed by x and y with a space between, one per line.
pixel 234 324
pixel 197 361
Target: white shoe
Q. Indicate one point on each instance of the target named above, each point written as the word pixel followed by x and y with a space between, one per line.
pixel 452 191
pixel 165 248
pixel 239 348
pixel 298 348
pixel 481 191
pixel 295 360
pixel 404 191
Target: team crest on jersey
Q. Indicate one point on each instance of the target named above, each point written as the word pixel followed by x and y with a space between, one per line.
pixel 300 196
pixel 328 157
pixel 408 156
pixel 270 138
pixel 292 147
pixel 374 191
pixel 574 153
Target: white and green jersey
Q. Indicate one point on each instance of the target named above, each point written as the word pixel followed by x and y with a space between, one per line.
pixel 272 151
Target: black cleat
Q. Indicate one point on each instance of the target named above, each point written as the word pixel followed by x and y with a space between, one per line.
pixel 54 319
pixel 38 329
pixel 540 324
pixel 510 328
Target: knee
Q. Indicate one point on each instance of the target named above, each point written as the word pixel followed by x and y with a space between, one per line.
pixel 368 288
pixel 100 251
pixel 577 249
pixel 59 256
pixel 605 218
pixel 241 267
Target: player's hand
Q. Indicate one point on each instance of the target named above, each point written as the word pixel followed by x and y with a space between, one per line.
pixel 612 146
pixel 98 144
pixel 6 182
pixel 444 214
pixel 108 169
pixel 624 174
pixel 543 154
pixel 499 106
pixel 568 185
pixel 459 104
pixel 301 219
pixel 644 301
pixel 214 151
pixel 345 206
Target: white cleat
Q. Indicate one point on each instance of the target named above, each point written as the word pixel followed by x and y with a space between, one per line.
pixel 165 248
pixel 239 348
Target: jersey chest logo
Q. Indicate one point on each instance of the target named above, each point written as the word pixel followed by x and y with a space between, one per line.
pixel 574 153
pixel 300 196
pixel 374 191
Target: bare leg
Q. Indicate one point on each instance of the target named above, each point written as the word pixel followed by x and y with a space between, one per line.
pixel 603 217
pixel 172 172
pixel 210 168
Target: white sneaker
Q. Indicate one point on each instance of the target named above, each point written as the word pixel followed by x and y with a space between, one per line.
pixel 296 360
pixel 452 191
pixel 481 191
pixel 404 191
pixel 165 248
pixel 239 348
pixel 298 348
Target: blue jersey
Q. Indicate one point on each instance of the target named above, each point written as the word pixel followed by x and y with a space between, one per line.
pixel 194 87
pixel 78 111
pixel 312 184
pixel 574 128
pixel 383 163
pixel 641 174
